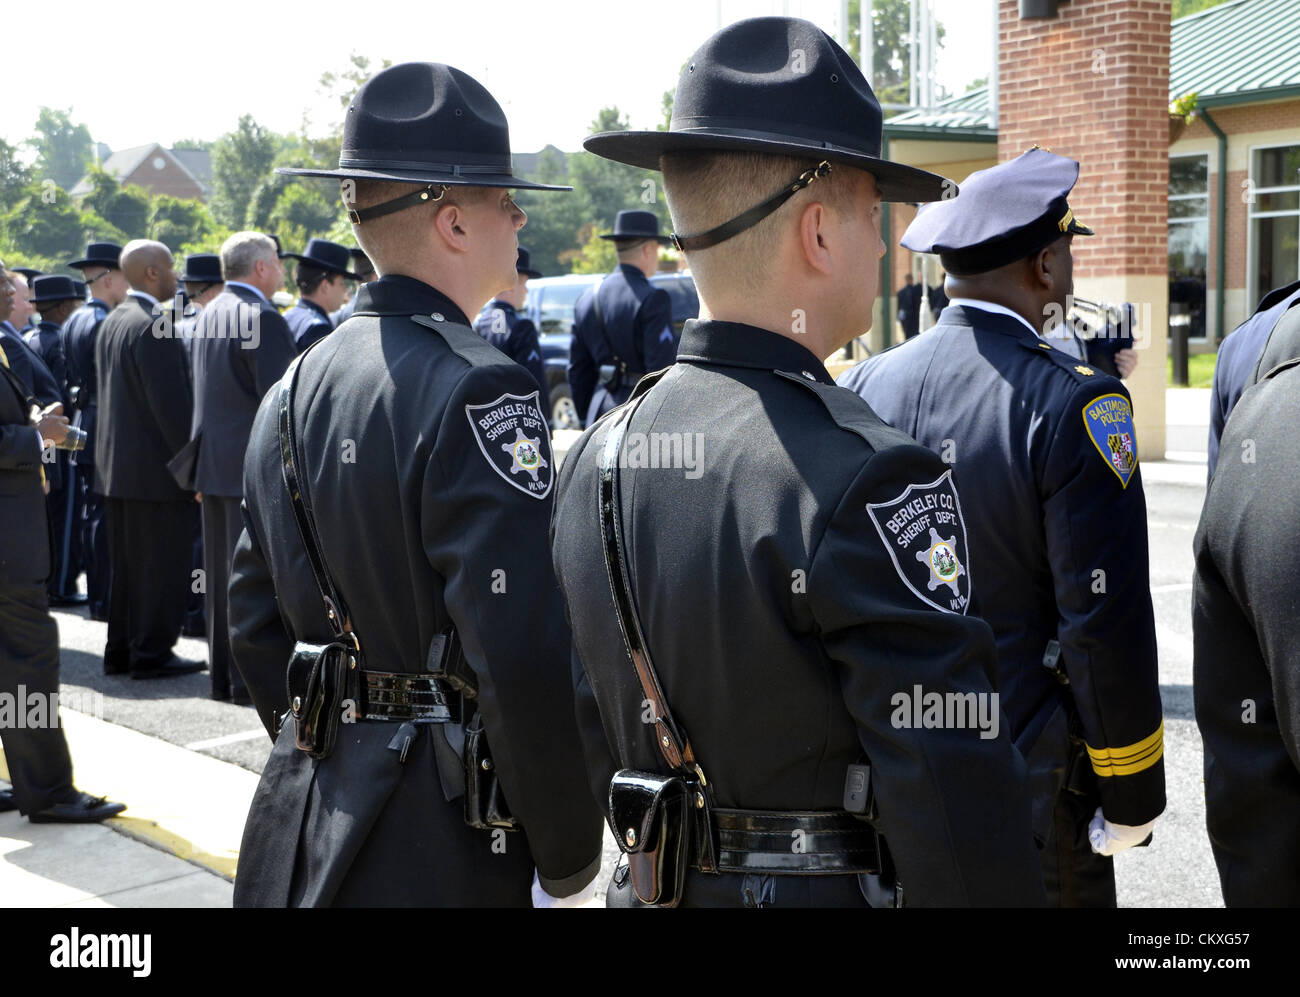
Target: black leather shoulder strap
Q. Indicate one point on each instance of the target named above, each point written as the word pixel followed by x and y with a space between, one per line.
pixel 295 483
pixel 672 741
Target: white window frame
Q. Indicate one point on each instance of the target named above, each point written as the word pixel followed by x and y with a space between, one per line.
pixel 1253 291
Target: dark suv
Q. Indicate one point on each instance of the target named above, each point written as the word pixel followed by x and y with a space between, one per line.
pixel 550 305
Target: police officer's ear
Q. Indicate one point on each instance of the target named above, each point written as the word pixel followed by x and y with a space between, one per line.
pixel 814 219
pixel 451 223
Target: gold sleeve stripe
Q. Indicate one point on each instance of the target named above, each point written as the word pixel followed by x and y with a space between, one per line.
pixel 1130 759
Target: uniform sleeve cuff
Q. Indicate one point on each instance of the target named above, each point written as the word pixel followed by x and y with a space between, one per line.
pixel 569 885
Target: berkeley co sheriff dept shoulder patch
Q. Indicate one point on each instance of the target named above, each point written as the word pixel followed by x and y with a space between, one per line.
pixel 1109 420
pixel 925 535
pixel 516 441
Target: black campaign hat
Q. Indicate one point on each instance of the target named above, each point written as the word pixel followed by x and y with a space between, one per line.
pixel 28 273
pixel 426 123
pixel 104 254
pixel 54 287
pixel 202 268
pixel 524 264
pixel 82 289
pixel 777 85
pixel 637 225
pixel 1002 214
pixel 325 255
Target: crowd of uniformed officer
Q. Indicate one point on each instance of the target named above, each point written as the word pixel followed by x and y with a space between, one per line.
pixel 382 497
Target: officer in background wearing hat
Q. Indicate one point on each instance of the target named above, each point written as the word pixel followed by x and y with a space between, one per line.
pixel 365 272
pixel 1246 670
pixel 428 471
pixel 24 361
pixel 242 346
pixel 321 289
pixel 56 298
pixel 789 595
pixel 623 327
pixel 107 285
pixel 513 334
pixel 1036 437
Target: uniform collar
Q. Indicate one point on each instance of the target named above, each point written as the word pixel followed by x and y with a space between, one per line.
pixel 232 285
pixel 631 272
pixel 313 306
pixel 733 344
pixel 397 294
pixel 52 326
pixel 147 299
pixel 989 306
pixel 1003 319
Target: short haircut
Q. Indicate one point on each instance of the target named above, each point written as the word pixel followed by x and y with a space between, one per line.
pixel 309 277
pixel 383 239
pixel 240 253
pixel 705 189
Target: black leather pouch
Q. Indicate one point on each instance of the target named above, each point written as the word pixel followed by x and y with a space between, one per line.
pixel 485 802
pixel 651 817
pixel 318 679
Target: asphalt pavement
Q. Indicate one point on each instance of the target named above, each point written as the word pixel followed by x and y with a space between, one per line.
pixel 187 765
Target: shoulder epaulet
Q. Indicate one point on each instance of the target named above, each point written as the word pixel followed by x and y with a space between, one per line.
pixel 463 341
pixel 851 413
pixel 1081 371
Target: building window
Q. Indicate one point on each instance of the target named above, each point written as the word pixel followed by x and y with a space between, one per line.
pixel 1189 242
pixel 1273 199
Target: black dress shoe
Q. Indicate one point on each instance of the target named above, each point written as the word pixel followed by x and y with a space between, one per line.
pixel 7 801
pixel 173 666
pixel 80 809
pixel 116 667
pixel 194 630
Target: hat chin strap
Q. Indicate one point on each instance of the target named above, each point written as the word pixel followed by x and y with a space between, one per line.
pixel 754 215
pixel 359 215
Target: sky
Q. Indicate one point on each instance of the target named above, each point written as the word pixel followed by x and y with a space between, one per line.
pixel 552 66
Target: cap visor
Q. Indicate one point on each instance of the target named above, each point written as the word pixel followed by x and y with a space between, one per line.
pixel 417 176
pixel 895 181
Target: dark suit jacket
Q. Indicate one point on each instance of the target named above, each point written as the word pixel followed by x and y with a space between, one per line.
pixel 240 348
pixel 1246 662
pixel 145 406
pixel 25 556
pixel 28 365
pixel 79 333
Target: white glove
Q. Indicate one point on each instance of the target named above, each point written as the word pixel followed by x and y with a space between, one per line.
pixel 585 897
pixel 1111 839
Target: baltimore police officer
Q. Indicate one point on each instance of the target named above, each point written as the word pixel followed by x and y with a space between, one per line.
pixel 427 469
pixel 746 548
pixel 1044 449
pixel 623 327
pixel 513 334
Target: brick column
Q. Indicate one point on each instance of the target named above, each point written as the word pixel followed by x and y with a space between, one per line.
pixel 1093 85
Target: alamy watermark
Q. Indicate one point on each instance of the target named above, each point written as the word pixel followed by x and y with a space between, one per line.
pixel 920 710
pixel 23 710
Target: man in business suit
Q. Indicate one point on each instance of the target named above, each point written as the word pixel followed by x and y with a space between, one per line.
pixel 55 297
pixel 320 274
pixel 146 407
pixel 623 328
pixel 241 347
pixel 37 756
pixel 107 289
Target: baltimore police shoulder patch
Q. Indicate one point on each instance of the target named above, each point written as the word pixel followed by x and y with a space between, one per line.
pixel 925 535
pixel 1109 421
pixel 514 437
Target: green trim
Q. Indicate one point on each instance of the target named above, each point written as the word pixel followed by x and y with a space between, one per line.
pixel 1247 97
pixel 1221 215
pixel 938 133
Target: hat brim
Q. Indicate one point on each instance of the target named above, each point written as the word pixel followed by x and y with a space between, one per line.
pixel 82 264
pixel 421 176
pixel 895 181
pixel 663 240
pixel 319 264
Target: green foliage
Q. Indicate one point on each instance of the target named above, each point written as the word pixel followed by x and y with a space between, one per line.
pixel 890 24
pixel 175 223
pixel 240 161
pixel 13 174
pixel 597 256
pixel 606 187
pixel 125 208
pixel 63 150
pixel 300 213
pixel 554 218
pixel 43 222
pixel 1181 8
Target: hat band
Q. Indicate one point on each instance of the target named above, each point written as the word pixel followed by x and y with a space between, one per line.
pixel 753 216
pixel 455 169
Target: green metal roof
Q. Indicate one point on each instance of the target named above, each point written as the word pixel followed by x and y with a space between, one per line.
pixel 966 116
pixel 1239 52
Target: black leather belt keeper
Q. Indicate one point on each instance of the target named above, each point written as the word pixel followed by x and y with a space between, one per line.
pixel 407 696
pixel 798 844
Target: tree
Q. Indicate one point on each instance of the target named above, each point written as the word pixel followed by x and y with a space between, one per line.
pixel 302 213
pixel 240 161
pixel 63 150
pixel 606 187
pixel 43 223
pixel 13 174
pixel 343 85
pixel 1182 8
pixel 175 222
pixel 890 28
pixel 553 218
pixel 597 255
pixel 126 209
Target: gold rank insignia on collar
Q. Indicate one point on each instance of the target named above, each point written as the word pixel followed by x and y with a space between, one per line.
pixel 1085 371
pixel 1044 346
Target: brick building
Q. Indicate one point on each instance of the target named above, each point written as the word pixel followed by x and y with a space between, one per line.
pixel 184 173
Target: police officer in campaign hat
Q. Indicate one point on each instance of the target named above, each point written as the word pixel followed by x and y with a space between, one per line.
pixel 107 286
pixel 321 288
pixel 766 583
pixel 424 466
pixel 513 334
pixel 1044 449
pixel 202 282
pixel 623 327
pixel 56 298
pixel 365 271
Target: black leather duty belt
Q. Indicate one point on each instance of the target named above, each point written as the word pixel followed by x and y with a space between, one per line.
pixel 826 843
pixel 407 696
